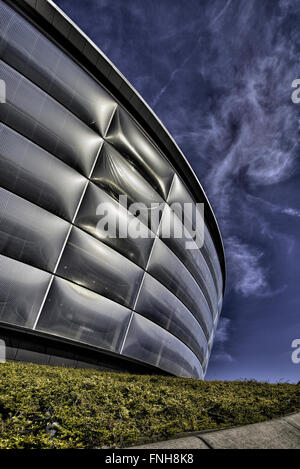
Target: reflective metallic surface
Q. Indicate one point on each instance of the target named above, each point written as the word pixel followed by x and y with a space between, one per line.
pixel 31 172
pixel 159 305
pixel 152 344
pixel 135 249
pixel 69 146
pixel 29 233
pixel 180 194
pixel 94 265
pixel 22 289
pixel 102 324
pixel 131 141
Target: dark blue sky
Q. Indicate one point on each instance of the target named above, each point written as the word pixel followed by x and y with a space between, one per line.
pixel 218 74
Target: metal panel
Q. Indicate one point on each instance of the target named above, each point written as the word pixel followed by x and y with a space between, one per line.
pixel 96 208
pixel 61 24
pixel 162 307
pixel 168 270
pixel 210 253
pixel 46 10
pixel 178 239
pixel 220 305
pixel 116 175
pixel 125 135
pixel 22 289
pixel 150 343
pixel 32 173
pixel 32 3
pixel 76 313
pixel 28 233
pixel 56 111
pixel 24 48
pixel 180 194
pixel 91 264
pixel 40 118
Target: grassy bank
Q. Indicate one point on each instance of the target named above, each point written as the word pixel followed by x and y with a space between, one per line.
pixel 47 407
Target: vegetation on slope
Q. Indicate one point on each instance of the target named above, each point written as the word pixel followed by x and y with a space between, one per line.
pixel 51 407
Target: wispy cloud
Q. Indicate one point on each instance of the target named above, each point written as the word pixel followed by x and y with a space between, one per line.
pixel 274 208
pixel 291 211
pixel 243 132
pixel 249 276
pixel 222 338
pixel 252 137
pixel 188 56
pixel 222 333
pixel 174 72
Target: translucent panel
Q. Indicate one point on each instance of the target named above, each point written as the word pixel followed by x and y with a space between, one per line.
pixel 36 175
pixel 125 135
pixel 205 365
pixel 162 307
pixel 150 343
pixel 211 340
pixel 179 194
pixel 209 252
pixel 24 48
pixel 117 176
pixel 220 304
pixel 90 263
pixel 79 314
pixel 22 289
pixel 43 120
pixel 98 209
pixel 177 238
pixel 28 233
pixel 168 269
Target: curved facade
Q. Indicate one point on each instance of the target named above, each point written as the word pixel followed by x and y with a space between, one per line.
pixel 75 135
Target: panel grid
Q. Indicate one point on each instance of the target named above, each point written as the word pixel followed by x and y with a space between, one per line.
pixel 61 128
pixel 72 95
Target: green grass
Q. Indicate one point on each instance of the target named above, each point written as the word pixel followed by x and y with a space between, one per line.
pixel 51 407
